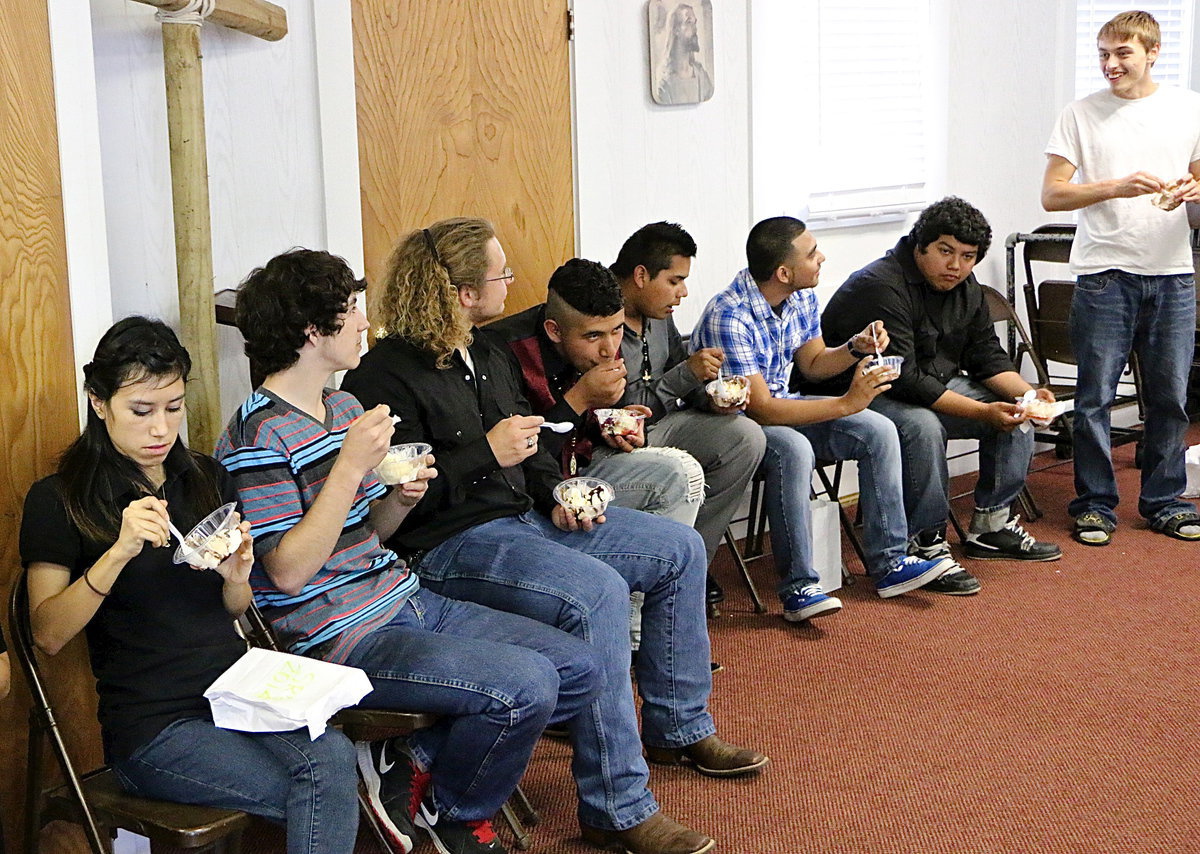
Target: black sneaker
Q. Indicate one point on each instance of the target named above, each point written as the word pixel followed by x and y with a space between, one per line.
pixel 714 594
pixel 1012 542
pixel 955 581
pixel 459 837
pixel 395 787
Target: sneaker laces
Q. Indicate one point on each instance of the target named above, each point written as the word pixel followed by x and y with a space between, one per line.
pixel 903 562
pixel 482 830
pixel 811 590
pixel 1027 540
pixel 417 788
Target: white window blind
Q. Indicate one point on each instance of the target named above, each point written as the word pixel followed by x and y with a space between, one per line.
pixel 1175 56
pixel 854 75
pixel 871 97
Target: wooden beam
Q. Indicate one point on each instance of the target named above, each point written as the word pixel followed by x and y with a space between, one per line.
pixel 256 17
pixel 193 229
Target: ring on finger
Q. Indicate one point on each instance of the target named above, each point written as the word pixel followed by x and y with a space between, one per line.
pixel 530 442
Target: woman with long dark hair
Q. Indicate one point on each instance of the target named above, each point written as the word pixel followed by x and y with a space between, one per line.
pixel 98 551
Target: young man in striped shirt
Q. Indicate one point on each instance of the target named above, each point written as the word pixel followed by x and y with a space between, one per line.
pixel 303 458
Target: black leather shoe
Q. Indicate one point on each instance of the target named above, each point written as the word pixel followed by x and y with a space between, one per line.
pixel 960 583
pixel 713 594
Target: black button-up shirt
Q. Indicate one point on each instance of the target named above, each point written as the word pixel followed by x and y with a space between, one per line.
pixel 452 409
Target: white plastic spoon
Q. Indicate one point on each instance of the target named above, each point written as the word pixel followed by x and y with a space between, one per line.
pixel 558 426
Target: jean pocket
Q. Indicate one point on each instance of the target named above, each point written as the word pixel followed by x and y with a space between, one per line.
pixel 1095 283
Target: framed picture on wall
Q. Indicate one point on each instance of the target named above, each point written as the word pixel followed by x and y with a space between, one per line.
pixel 681 51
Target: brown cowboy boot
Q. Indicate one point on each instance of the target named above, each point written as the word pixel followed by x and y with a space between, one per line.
pixel 656 835
pixel 710 756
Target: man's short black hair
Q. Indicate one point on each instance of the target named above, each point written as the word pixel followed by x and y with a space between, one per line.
pixel 586 286
pixel 954 217
pixel 278 302
pixel 770 244
pixel 653 246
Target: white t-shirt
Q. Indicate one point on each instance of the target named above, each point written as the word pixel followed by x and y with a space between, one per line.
pixel 1104 137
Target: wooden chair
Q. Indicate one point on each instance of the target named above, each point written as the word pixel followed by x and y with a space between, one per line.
pixel 95 799
pixel 365 724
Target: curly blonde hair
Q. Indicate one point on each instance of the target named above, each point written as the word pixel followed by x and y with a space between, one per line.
pixel 420 302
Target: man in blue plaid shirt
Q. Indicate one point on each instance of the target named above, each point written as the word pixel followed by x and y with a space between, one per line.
pixel 764 321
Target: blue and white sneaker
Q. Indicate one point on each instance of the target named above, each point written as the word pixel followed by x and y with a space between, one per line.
pixel 909 573
pixel 809 602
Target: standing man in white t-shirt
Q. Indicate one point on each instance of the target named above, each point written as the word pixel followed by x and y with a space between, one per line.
pixel 1134 147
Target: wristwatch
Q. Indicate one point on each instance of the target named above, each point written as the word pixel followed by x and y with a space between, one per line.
pixel 855 353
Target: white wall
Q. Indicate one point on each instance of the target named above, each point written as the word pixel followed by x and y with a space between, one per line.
pixel 1003 69
pixel 639 162
pixel 282 156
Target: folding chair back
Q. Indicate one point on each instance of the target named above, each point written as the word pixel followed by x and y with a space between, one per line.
pixel 96 800
pixel 1048 306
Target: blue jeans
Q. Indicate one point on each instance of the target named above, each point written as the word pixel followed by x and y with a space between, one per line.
pixel 283 776
pixel 1003 456
pixel 1155 316
pixel 580 582
pixel 791 453
pixel 499 678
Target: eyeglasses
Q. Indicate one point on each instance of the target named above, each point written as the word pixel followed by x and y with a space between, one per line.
pixel 507 276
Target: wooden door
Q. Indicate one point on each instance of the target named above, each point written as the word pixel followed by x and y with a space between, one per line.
pixel 464 109
pixel 38 414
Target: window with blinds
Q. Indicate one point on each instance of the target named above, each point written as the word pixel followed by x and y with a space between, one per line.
pixel 854 78
pixel 1174 57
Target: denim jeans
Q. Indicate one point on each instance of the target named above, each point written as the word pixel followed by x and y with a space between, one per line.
pixel 580 582
pixel 1003 456
pixel 311 786
pixel 499 678
pixel 791 453
pixel 729 447
pixel 646 480
pixel 1155 316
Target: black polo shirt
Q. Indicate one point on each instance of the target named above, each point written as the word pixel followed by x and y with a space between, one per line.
pixel 162 635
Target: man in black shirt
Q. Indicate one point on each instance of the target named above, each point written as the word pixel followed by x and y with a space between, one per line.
pixel 956 382
pixel 489 531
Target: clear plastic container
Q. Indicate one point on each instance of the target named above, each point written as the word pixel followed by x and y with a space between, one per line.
pixel 214 539
pixel 619 422
pixel 584 497
pixel 402 463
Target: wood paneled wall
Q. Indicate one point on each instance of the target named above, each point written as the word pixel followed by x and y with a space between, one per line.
pixel 38 414
pixel 464 109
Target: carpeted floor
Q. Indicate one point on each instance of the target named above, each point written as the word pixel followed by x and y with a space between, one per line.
pixel 1054 712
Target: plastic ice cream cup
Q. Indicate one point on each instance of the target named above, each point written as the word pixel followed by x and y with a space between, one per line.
pixel 402 463
pixel 584 497
pixel 619 422
pixel 214 539
pixel 729 391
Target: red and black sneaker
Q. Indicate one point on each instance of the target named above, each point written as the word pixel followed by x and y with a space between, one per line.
pixel 460 837
pixel 395 785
